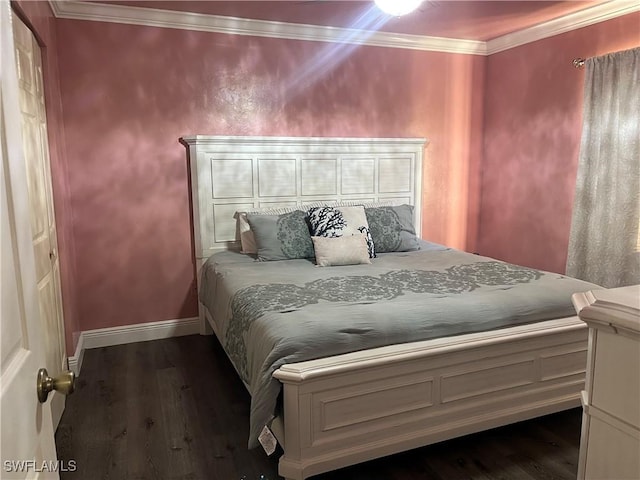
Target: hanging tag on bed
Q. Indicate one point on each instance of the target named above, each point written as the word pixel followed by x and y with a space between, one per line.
pixel 268 441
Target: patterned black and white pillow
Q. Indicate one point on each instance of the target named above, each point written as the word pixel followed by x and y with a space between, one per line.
pixel 370 245
pixel 326 222
pixel 340 221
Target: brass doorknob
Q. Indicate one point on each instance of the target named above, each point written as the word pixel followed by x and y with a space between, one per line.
pixel 62 383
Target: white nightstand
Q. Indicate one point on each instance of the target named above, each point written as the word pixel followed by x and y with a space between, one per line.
pixel 610 439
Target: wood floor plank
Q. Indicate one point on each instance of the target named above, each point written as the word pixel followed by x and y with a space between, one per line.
pixel 176 409
pixel 97 435
pixel 455 463
pixel 177 431
pixel 146 458
pixel 497 467
pixel 558 446
pixel 219 425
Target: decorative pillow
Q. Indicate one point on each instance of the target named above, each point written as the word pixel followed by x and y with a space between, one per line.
pixel 346 250
pixel 327 222
pixel 340 221
pixel 392 228
pixel 243 229
pixel 281 237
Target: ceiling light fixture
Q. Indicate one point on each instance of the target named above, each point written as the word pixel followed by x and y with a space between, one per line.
pixel 398 7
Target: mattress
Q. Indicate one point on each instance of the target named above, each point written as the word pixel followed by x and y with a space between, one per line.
pixel 271 313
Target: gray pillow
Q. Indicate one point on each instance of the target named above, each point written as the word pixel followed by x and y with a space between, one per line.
pixel 392 228
pixel 281 237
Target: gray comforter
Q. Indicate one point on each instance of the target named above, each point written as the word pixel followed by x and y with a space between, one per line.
pixel 272 313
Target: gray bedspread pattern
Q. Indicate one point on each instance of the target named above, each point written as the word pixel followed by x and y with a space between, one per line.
pixel 272 313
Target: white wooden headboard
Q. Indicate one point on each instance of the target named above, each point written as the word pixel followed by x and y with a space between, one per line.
pixel 230 174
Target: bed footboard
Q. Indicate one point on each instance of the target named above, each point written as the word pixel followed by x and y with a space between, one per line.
pixel 355 407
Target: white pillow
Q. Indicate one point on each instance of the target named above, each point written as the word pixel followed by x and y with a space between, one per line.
pixel 243 230
pixel 346 250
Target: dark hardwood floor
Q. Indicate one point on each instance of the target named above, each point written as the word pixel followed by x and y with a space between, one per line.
pixel 175 409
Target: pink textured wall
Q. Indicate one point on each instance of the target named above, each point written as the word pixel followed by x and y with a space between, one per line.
pixel 129 93
pixel 533 115
pixel 39 17
pixel 499 170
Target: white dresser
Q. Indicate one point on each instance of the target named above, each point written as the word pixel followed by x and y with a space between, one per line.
pixel 610 440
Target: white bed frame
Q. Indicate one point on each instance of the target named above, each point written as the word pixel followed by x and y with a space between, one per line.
pixel 355 407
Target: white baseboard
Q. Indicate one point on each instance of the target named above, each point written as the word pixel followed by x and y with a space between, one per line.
pixel 141 332
pixel 75 362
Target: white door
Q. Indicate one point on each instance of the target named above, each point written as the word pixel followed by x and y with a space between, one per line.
pixel 26 442
pixel 43 226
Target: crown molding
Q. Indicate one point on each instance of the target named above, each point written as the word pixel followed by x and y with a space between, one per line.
pixel 151 17
pixel 573 21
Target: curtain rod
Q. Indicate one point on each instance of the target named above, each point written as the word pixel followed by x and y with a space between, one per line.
pixel 579 62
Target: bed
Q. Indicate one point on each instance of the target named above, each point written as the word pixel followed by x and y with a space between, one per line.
pixel 366 395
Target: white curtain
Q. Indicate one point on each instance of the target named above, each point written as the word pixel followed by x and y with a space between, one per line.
pixel 603 244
